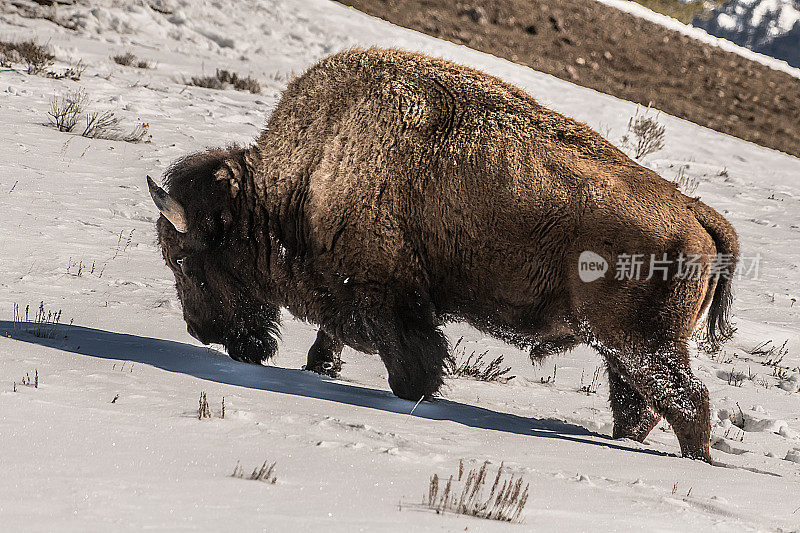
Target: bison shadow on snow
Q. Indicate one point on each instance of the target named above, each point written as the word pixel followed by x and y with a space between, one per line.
pixel 210 365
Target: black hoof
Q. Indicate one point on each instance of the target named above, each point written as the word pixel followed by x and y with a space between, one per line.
pixel 325 368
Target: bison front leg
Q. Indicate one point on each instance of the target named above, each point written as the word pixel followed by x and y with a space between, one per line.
pixel 414 351
pixel 633 418
pixel 325 356
pixel 663 377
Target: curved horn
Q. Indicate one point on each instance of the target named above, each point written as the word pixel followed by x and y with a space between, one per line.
pixel 169 207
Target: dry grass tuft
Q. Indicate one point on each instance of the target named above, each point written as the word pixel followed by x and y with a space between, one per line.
pixel 203 411
pixel 473 366
pixel 505 502
pixel 45 325
pixel 592 387
pixel 773 354
pixel 26 380
pixel 266 473
pixel 685 183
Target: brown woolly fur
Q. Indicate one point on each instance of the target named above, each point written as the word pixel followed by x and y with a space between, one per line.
pixel 392 192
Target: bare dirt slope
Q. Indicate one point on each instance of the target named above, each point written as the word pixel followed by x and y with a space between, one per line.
pixel 597 46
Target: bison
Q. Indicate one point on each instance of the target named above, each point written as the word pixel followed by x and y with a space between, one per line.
pixel 392 192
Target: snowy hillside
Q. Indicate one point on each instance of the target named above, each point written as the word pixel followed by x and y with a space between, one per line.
pixel 770 27
pixel 110 439
pixel 713 32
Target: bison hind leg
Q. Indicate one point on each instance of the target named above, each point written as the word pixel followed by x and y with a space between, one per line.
pixel 663 377
pixel 633 417
pixel 325 356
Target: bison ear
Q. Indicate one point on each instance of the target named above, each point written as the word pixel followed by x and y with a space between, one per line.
pixel 169 207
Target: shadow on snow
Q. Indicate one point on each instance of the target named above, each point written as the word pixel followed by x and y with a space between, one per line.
pixel 214 366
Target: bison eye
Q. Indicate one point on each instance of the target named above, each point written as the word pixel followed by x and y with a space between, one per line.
pixel 178 264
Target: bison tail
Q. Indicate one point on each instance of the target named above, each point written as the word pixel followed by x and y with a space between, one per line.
pixel 718 325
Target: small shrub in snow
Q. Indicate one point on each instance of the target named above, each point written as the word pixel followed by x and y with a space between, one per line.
pixel 138 134
pixel 128 59
pixel 36 57
pixel 66 110
pixel 266 473
pixel 100 124
pixel 644 135
pixel 125 59
pixel 282 77
pixel 460 365
pixel 73 72
pixel 224 79
pixel 207 82
pixel 105 125
pixel 505 502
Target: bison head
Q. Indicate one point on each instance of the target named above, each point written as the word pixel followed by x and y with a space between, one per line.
pixel 214 266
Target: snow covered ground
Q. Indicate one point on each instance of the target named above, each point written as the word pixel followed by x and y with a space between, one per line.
pixel 349 455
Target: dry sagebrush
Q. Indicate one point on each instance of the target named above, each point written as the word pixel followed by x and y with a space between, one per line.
pixel 223 79
pixel 459 365
pixel 36 57
pixel 66 111
pixel 129 59
pixel 644 135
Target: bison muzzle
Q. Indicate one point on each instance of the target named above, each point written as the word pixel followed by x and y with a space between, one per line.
pixel 392 192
